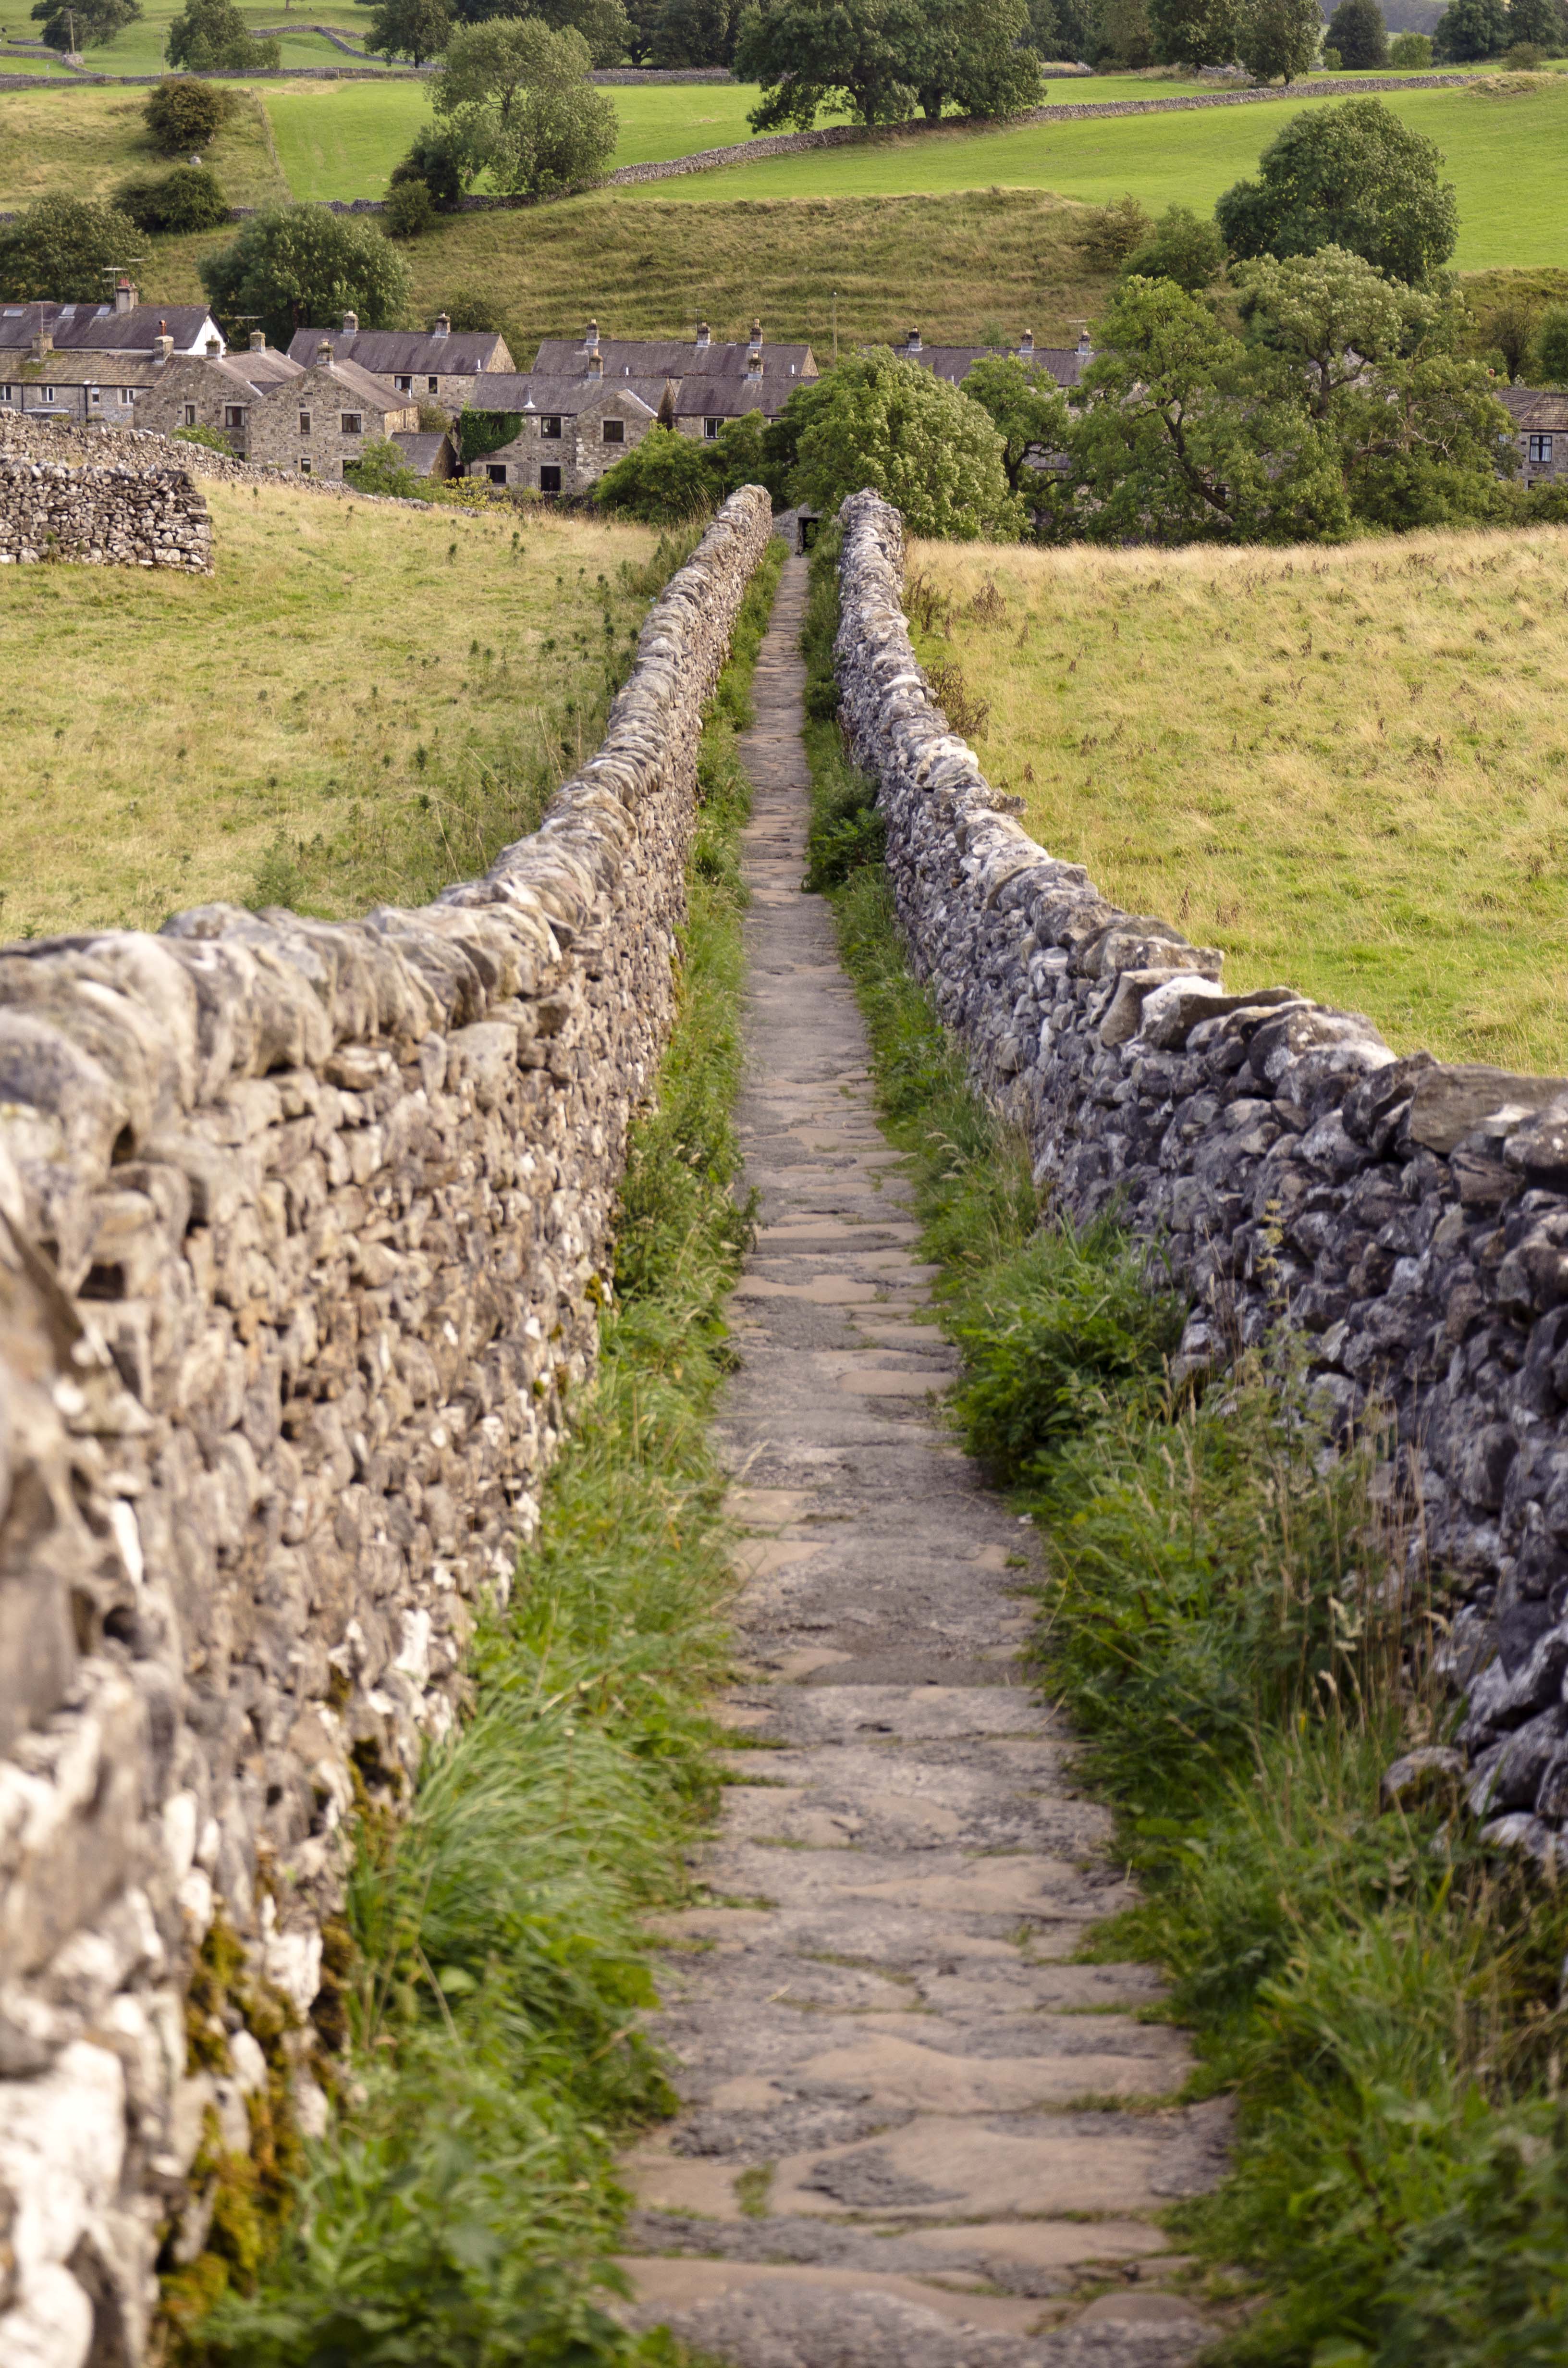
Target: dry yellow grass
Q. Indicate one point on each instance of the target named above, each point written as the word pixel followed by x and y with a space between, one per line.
pixel 1347 767
pixel 362 704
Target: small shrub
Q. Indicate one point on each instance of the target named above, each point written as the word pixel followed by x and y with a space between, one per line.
pixel 441 160
pixel 411 210
pixel 211 439
pixel 382 469
pixel 1411 52
pixel 183 114
pixel 664 479
pixel 1332 62
pixel 1524 57
pixel 967 715
pixel 1107 234
pixel 190 197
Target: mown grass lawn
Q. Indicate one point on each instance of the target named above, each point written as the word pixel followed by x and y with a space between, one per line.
pixel 87 141
pixel 362 704
pixel 1348 769
pixel 1507 157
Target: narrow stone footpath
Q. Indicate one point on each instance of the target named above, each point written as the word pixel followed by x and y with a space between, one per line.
pixel 914 2133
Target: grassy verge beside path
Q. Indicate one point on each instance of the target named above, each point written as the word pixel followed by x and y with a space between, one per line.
pixel 1228 1615
pixel 462 2212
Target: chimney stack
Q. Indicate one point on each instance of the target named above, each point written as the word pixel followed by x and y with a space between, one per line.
pixel 756 339
pixel 163 348
pixel 43 343
pixel 596 364
pixel 258 341
pixel 1085 348
pixel 912 343
pixel 1026 345
pixel 213 349
pixel 125 297
pixel 323 352
pixel 443 327
pixel 351 324
pixel 592 339
pixel 704 336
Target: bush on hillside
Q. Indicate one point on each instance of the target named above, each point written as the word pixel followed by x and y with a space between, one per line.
pixel 1330 62
pixel 411 210
pixel 1107 234
pixel 183 114
pixel 190 197
pixel 1351 175
pixel 291 267
pixel 665 480
pixel 1180 248
pixel 439 158
pixel 515 93
pixel 211 37
pixel 925 445
pixel 1411 52
pixel 1551 353
pixel 64 248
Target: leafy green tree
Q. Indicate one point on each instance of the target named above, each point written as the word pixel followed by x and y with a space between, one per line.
pixel 1185 435
pixel 967 55
pixel 1126 34
pixel 1540 21
pixel 1026 406
pixel 641 25
pixel 1358 33
pixel 1551 346
pixel 1180 246
pixel 926 445
pixel 604 24
pixel 694 33
pixel 415 29
pixel 515 97
pixel 664 479
pixel 1332 317
pixel 192 196
pixel 411 210
pixel 738 456
pixel 1109 235
pixel 211 37
pixel 782 438
pixel 381 468
pixel 1064 32
pixel 822 56
pixel 83 24
pixel 64 247
pixel 293 266
pixel 1508 327
pixel 1353 176
pixel 182 113
pixel 441 158
pixel 1278 37
pixel 1193 32
pixel 1411 52
pixel 1471 29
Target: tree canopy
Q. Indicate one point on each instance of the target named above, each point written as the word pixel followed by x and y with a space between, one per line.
pixel 1469 29
pixel 211 37
pixel 1278 38
pixel 67 25
pixel 1025 405
pixel 182 113
pixel 1193 32
pixel 604 24
pixel 514 94
pixel 294 267
pixel 1358 31
pixel 877 60
pixel 1179 247
pixel 926 445
pixel 1350 176
pixel 415 29
pixel 64 247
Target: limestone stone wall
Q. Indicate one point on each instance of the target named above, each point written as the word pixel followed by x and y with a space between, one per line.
pixel 302 1231
pixel 107 517
pixel 1408 1217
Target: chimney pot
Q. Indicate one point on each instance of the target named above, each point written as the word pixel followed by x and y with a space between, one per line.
pixel 913 341
pixel 1025 343
pixel 124 295
pixel 592 338
pixel 1083 345
pixel 43 343
pixel 443 324
pixel 258 341
pixel 213 349
pixel 324 351
pixel 596 364
pixel 164 347
pixel 351 324
pixel 704 335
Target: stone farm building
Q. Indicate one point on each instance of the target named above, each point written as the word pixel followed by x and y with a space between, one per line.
pixel 584 405
pixel 441 365
pixel 91 361
pixel 1540 423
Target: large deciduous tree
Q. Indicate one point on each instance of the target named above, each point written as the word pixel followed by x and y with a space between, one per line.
pixel 1358 31
pixel 694 33
pixel 67 25
pixel 1350 176
pixel 1278 38
pixel 604 24
pixel 910 435
pixel 64 247
pixel 1472 30
pixel 181 113
pixel 877 60
pixel 1025 405
pixel 1544 22
pixel 1193 32
pixel 296 266
pixel 211 37
pixel 515 93
pixel 415 29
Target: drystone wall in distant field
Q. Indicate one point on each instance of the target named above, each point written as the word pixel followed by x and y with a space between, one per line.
pixel 303 1231
pixel 1408 1217
pixel 106 517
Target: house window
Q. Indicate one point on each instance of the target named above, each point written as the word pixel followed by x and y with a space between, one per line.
pixel 353 423
pixel 434 383
pixel 190 414
pixel 49 394
pixel 405 385
pixel 1540 452
pixel 126 396
pixel 6 392
pixel 234 414
pixel 711 429
pixel 614 431
pixel 550 478
pixel 304 466
pixel 94 395
pixel 304 423
pixel 498 472
pixel 549 427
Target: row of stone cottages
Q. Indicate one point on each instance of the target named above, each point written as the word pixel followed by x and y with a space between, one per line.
pixel 314 408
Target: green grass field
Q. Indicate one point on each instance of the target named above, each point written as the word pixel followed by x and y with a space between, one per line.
pixel 89 140
pixel 140 49
pixel 1507 158
pixel 1346 767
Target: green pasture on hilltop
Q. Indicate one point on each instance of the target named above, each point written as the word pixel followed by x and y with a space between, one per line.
pixel 1507 157
pixel 87 141
pixel 140 49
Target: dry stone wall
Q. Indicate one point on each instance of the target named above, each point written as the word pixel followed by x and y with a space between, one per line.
pixel 1407 1217
pixel 302 1232
pixel 108 518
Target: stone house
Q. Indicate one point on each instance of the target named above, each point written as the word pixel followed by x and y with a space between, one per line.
pixel 1065 363
pixel 573 430
pixel 310 423
pixel 75 386
pixel 214 390
pixel 700 356
pixel 441 365
pixel 1540 423
pixel 124 327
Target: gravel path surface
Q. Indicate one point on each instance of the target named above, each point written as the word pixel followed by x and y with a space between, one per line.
pixel 914 2129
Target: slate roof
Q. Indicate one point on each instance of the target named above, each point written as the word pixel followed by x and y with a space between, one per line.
pixel 671 358
pixel 690 398
pixel 75 369
pixel 392 353
pixel 1536 408
pixel 359 382
pixel 419 449
pixel 98 328
pixel 1065 363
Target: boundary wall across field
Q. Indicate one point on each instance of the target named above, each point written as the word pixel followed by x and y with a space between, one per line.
pixel 1407 1217
pixel 305 1228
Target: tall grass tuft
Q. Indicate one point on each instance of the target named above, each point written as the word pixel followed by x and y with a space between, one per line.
pixel 461 2211
pixel 1243 1636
